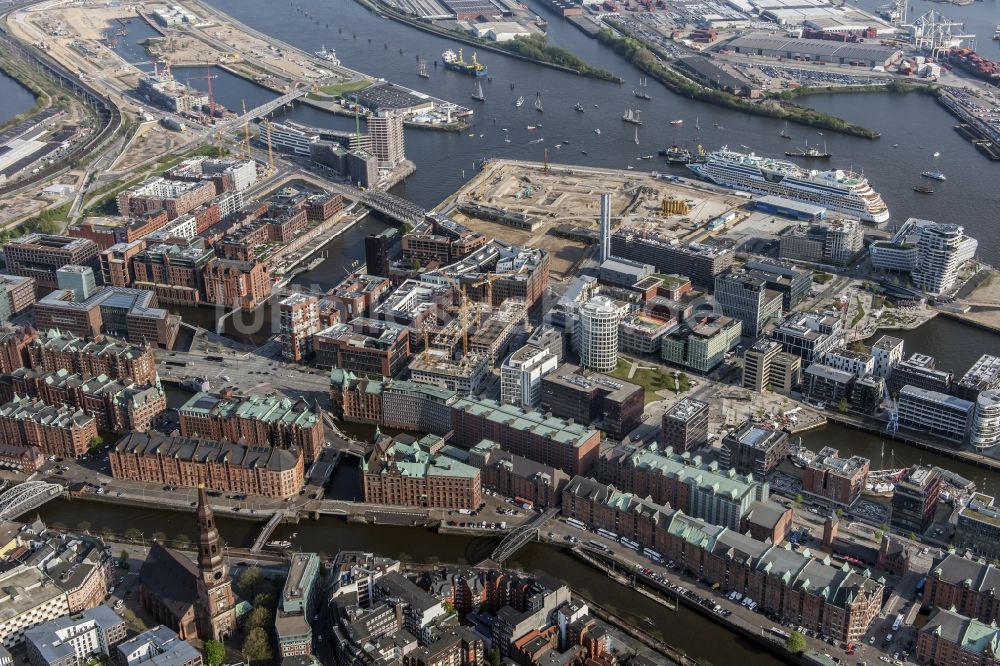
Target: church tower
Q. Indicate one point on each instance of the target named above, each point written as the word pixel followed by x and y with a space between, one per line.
pixel 216 613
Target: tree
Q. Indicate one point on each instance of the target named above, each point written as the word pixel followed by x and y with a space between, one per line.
pixel 180 541
pixel 795 643
pixel 215 653
pixel 248 581
pixel 132 534
pixel 259 617
pixel 257 646
pixel 495 657
pixel 159 537
pixel 878 535
pixel 83 526
pixel 798 499
pixel 265 600
pixel 415 264
pixel 95 443
pixel 842 406
pixel 123 559
pixel 839 512
pixel 913 536
pixel 859 346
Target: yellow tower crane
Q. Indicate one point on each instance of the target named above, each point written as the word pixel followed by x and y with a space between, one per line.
pixel 246 133
pixel 464 314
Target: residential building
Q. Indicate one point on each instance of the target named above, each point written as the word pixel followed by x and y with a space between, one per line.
pixel 809 335
pixel 866 394
pixel 684 427
pixel 233 468
pixel 28 597
pixel 855 362
pixel 419 609
pixel 951 639
pixel 934 413
pixel 967 584
pixel 521 375
pixel 378 252
pixel 570 447
pixel 595 336
pixel 20 293
pixel 914 499
pixel 237 284
pixel 55 350
pixel 72 640
pixel 984 375
pixel 978 527
pixel 175 273
pixel 56 431
pixel 834 479
pixel 173 196
pixel 746 297
pixel 39 256
pixel 465 375
pixel 615 406
pixel 256 420
pixel 700 262
pixel 792 283
pixel 159 646
pixel 919 370
pixel 701 345
pixel 886 353
pixel 757 360
pixel 753 449
pixel 683 482
pixel 385 137
pixel 517 476
pixel 827 385
pixel 356 296
pixel 836 601
pixel 367 346
pixel 985 431
pixel 835 242
pixel 128 313
pixel 81 565
pixel 298 322
pixel 226 174
pixel 941 251
pixel 403 471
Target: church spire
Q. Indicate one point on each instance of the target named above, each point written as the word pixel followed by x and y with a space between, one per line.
pixel 210 561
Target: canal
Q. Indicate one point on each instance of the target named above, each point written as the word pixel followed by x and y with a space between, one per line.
pixel 15 99
pixel 684 629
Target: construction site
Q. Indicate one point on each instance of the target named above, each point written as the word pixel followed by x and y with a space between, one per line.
pixel 556 207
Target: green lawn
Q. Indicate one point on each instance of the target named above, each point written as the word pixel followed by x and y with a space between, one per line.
pixel 651 380
pixel 858 316
pixel 341 88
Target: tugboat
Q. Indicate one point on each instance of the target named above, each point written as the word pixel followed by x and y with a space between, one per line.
pixel 677 155
pixel 810 153
pixel 923 189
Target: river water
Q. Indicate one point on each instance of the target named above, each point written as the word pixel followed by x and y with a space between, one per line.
pixel 14 98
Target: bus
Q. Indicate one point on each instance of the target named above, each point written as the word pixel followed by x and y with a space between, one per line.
pixel 898 623
pixel 628 543
pixel 607 534
pixel 653 555
pixel 578 524
pixel 779 632
pixel 598 545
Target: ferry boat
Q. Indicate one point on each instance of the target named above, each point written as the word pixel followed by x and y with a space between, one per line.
pixel 456 63
pixel 330 56
pixel 845 192
pixel 279 545
pixel 935 175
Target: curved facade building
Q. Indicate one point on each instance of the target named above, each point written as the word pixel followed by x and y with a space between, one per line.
pixel 986 422
pixel 597 334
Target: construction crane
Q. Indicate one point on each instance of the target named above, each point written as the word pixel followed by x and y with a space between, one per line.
pixel 464 314
pixel 427 348
pixel 487 281
pixel 270 147
pixel 246 133
pixel 545 169
pixel 211 99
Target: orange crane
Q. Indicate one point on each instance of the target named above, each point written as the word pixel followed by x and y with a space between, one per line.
pixel 211 99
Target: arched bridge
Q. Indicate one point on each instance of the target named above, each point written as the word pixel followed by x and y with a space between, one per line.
pixel 397 208
pixel 27 496
pixel 516 539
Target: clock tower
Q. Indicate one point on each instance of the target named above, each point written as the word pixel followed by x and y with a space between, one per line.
pixel 216 613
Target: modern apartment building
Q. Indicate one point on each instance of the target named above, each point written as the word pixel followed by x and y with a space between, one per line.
pixel 855 362
pixel 941 251
pixel 255 420
pixel 831 478
pixel 595 335
pixel 521 375
pixel 71 640
pixel 914 499
pixel 232 468
pixel 835 242
pixel 919 370
pixel 753 449
pixel 28 597
pixel 298 322
pixel 985 431
pixel 984 375
pixel 378 252
pixel 934 413
pixel 402 471
pixel 978 527
pixel 809 335
pixel 39 256
pixel 237 284
pixel 701 345
pixel 156 193
pixel 684 427
pixel 886 353
pixel 612 405
pixel 385 137
pixel 828 385
pixel 746 297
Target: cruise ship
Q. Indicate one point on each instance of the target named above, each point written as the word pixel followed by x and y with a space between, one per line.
pixel 837 190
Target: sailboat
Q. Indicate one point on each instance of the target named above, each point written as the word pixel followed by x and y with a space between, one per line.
pixel 477 93
pixel 637 136
pixel 579 107
pixel 784 133
pixel 538 102
pixel 631 116
pixel 697 123
pixel 641 92
pixel 422 70
pixel 506 136
pixel 519 102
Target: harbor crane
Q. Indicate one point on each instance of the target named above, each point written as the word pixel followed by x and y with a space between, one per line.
pixel 934 32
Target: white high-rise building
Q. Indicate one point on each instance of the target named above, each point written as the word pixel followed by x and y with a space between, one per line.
pixel 385 137
pixel 985 431
pixel 596 333
pixel 887 352
pixel 941 250
pixel 78 279
pixel 521 375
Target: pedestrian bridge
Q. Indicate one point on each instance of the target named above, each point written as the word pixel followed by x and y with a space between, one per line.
pixel 25 497
pixel 518 538
pixel 399 209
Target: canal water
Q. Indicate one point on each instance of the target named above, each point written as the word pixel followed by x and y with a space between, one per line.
pixel 445 160
pixel 14 98
pixel 684 629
